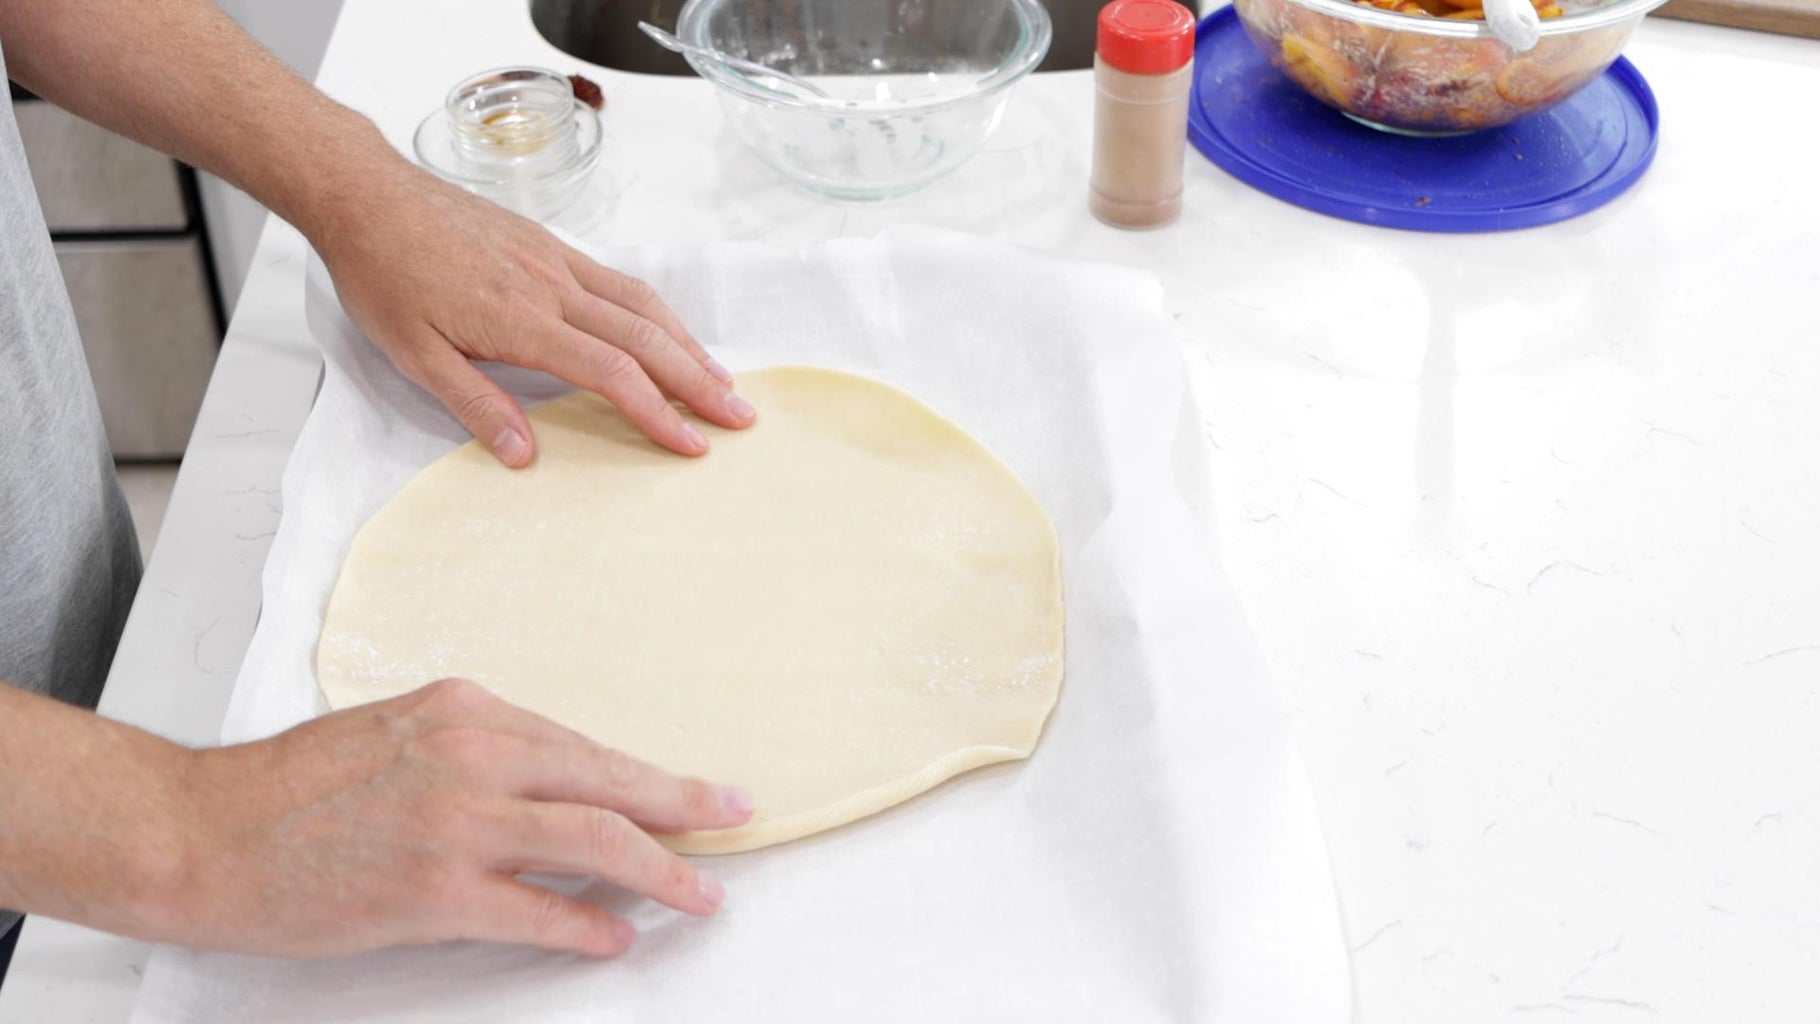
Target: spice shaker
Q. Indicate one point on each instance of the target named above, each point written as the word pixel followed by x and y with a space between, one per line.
pixel 1142 72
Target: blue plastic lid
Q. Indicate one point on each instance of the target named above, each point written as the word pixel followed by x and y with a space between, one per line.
pixel 1263 129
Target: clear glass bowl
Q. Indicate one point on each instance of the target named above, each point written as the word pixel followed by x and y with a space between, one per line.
pixel 915 86
pixel 1434 76
pixel 517 136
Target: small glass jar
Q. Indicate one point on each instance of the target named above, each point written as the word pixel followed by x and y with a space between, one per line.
pixel 521 119
pixel 517 136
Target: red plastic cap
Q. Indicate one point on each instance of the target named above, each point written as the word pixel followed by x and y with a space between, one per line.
pixel 1146 37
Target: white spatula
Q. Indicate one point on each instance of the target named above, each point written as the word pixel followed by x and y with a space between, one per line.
pixel 1514 22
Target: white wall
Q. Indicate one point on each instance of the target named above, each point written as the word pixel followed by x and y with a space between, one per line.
pixel 298 32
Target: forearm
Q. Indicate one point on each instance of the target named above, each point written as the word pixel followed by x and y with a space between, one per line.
pixel 90 816
pixel 180 76
pixel 437 277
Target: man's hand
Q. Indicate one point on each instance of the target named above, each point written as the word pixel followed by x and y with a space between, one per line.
pixel 403 821
pixel 433 275
pixel 437 277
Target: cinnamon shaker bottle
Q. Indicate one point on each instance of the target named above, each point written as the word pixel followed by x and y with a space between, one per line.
pixel 1142 72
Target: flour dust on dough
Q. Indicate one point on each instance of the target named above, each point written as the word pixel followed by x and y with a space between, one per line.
pixel 838 608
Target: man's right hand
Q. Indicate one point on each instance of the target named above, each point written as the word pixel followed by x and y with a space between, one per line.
pixel 407 820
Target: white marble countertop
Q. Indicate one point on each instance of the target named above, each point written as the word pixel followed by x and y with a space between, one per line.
pixel 1528 524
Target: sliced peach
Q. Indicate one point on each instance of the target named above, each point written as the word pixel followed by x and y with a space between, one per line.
pixel 1533 83
pixel 1320 71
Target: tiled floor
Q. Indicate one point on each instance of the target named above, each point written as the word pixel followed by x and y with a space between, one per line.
pixel 148 491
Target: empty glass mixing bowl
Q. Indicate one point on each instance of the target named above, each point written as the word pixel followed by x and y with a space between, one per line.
pixel 914 86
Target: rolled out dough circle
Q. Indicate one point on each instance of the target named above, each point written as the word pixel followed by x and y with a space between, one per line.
pixel 839 607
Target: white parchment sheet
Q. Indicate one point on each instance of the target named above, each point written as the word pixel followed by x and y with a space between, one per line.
pixel 1157 859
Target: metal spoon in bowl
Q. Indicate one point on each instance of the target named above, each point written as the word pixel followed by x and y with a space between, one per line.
pixel 669 42
pixel 1514 22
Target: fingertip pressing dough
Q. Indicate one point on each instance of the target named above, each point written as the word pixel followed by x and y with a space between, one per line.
pixel 838 607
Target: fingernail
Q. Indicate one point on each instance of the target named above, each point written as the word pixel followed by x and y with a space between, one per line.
pixel 510 445
pixel 736 801
pixel 624 933
pixel 711 890
pixel 739 408
pixel 696 441
pixel 719 371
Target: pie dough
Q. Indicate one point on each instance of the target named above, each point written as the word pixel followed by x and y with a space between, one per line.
pixel 838 607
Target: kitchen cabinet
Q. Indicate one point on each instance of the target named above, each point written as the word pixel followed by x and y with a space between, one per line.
pixel 147 323
pixel 129 236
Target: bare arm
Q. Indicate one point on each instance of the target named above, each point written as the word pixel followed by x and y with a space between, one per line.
pixel 405 821
pixel 88 810
pixel 434 276
pixel 181 77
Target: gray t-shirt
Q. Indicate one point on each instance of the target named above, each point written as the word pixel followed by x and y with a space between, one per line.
pixel 69 562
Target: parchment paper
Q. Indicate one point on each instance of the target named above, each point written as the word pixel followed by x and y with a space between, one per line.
pixel 1157 859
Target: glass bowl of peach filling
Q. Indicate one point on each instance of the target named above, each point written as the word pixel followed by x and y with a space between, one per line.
pixel 1433 67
